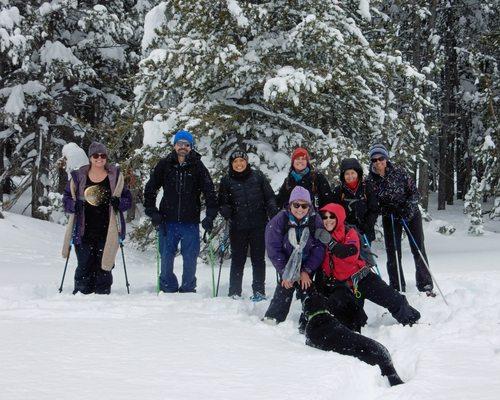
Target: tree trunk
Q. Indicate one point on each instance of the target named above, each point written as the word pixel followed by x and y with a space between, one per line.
pixel 449 115
pixel 423 184
pixel 39 178
pixel 443 144
pixel 461 157
pixel 2 169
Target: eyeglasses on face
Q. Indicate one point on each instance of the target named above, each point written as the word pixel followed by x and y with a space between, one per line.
pixel 99 155
pixel 331 216
pixel 305 206
pixel 183 144
pixel 374 160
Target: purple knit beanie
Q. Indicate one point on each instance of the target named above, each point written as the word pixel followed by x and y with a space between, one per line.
pixel 300 193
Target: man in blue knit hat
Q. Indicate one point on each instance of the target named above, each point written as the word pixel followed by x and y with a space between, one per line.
pixel 183 177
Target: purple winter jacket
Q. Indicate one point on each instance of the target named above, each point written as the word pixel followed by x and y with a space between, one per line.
pixel 279 248
pixel 79 177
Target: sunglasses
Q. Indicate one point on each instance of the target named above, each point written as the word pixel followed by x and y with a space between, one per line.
pixel 99 155
pixel 374 160
pixel 183 144
pixel 323 216
pixel 305 206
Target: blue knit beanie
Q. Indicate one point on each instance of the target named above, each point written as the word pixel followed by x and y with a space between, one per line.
pixel 185 136
pixel 379 149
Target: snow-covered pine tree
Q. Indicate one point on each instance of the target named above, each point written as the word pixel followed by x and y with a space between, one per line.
pixel 408 28
pixel 68 74
pixel 278 75
pixel 472 207
pixel 270 77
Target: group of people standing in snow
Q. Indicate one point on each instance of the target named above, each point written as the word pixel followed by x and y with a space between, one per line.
pixel 313 235
pixel 96 196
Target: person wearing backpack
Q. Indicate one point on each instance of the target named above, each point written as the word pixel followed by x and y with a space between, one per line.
pixel 346 279
pixel 294 251
pixel 357 197
pixel 303 174
pixel 247 201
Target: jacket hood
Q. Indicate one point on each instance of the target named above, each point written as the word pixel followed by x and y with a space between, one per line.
pixel 336 209
pixel 351 163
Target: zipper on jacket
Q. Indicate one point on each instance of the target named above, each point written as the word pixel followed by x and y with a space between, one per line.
pixel 180 175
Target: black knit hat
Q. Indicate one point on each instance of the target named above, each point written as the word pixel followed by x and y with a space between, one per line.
pixel 350 163
pixel 238 154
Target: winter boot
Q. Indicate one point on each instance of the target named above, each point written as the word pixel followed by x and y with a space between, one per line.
pixel 270 321
pixel 428 290
pixel 406 315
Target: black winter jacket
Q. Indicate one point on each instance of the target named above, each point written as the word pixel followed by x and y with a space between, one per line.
pixel 182 188
pixel 246 199
pixel 314 181
pixel 361 205
pixel 396 192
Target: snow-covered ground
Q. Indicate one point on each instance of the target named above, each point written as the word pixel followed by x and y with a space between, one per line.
pixel 192 346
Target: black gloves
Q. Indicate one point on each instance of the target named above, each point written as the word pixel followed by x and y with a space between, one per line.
pixel 156 219
pixel 115 203
pixel 331 245
pixel 226 212
pixel 207 224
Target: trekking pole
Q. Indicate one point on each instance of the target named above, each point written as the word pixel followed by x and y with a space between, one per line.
pixel 423 259
pixel 396 253
pixel 157 263
pixel 211 259
pixel 221 261
pixel 222 251
pixel 67 258
pixel 120 241
pixel 368 244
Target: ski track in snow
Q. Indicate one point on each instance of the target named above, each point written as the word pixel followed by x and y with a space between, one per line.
pixel 191 346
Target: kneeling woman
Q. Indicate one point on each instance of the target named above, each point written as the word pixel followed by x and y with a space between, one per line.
pixel 96 197
pixel 294 251
pixel 343 271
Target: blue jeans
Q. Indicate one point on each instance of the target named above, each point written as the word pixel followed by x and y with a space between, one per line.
pixel 170 234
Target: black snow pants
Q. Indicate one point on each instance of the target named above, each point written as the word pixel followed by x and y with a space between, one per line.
pixel 89 276
pixel 240 241
pixel 342 303
pixel 422 275
pixel 282 299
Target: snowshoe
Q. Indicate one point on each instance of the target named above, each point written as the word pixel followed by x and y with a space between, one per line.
pixel 428 291
pixel 257 296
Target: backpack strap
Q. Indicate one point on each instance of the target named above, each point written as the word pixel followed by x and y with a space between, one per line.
pixel 313 182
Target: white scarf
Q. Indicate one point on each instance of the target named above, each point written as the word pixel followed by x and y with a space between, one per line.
pixel 292 267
